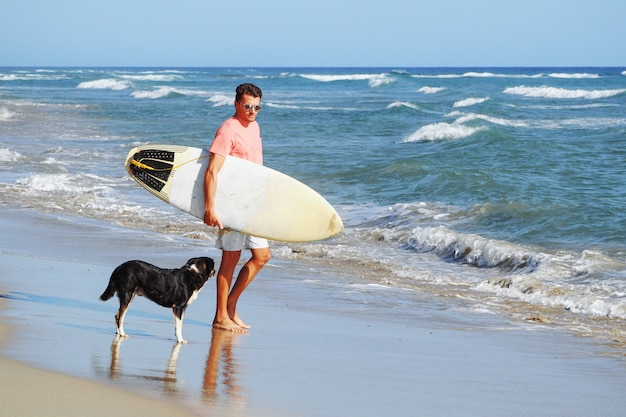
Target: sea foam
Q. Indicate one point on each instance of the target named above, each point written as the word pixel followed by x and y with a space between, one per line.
pixel 221 100
pixel 60 183
pixel 105 84
pixel 7 155
pixel 431 90
pixel 152 77
pixel 32 77
pixel 441 131
pixel 374 80
pixel 396 104
pixel 5 114
pixel 563 280
pixel 470 101
pixel 574 76
pixel 464 118
pixel 161 92
pixel 554 92
pixel 475 74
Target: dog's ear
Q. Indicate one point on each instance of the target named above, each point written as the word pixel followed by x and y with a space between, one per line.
pixel 209 264
pixel 201 266
pixel 192 265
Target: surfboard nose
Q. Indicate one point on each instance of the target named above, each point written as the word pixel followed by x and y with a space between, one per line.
pixel 335 226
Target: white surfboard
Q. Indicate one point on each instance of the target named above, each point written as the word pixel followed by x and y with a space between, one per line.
pixel 250 198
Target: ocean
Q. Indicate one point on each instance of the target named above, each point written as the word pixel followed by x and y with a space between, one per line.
pixel 496 190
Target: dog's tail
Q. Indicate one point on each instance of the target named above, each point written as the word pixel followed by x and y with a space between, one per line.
pixel 109 292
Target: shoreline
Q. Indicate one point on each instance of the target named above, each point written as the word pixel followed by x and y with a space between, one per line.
pixel 30 391
pixel 315 348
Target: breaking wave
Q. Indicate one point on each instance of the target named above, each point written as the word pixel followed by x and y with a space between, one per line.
pixel 562 93
pixel 105 84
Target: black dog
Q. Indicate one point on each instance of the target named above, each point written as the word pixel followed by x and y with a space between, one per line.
pixel 175 288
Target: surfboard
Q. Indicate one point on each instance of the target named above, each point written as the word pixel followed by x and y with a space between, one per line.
pixel 250 198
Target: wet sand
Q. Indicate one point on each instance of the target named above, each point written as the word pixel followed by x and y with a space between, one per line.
pixel 28 391
pixel 315 347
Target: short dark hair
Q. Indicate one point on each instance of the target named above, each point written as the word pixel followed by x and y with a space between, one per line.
pixel 249 89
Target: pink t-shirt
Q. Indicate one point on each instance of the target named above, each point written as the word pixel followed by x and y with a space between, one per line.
pixel 232 138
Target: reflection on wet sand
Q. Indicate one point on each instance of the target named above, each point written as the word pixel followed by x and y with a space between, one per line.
pixel 169 374
pixel 114 369
pixel 221 358
pixel 221 388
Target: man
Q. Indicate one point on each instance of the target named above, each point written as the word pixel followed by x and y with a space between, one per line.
pixel 238 136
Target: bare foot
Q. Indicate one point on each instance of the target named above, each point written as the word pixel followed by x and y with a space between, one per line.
pixel 240 322
pixel 229 326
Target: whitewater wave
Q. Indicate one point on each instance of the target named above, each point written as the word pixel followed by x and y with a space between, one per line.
pixel 470 102
pixel 574 76
pixel 442 131
pixel 459 128
pixel 62 183
pixel 472 249
pixel 11 77
pixel 88 195
pixel 291 106
pixel 562 93
pixel 153 77
pixel 468 117
pixel 474 74
pixel 5 114
pixel 288 106
pixel 455 130
pixel 570 123
pixel 162 92
pixel 431 90
pixel 510 271
pixel 374 80
pixel 219 100
pixel 397 104
pixel 105 84
pixel 568 106
pixel 32 77
pixel 7 155
pixel 380 80
pixel 567 281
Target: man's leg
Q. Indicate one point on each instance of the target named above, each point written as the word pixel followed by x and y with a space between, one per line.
pixel 224 280
pixel 247 273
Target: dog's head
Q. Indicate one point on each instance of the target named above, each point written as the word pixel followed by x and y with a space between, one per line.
pixel 202 268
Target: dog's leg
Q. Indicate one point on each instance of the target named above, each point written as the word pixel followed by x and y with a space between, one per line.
pixel 119 321
pixel 121 313
pixel 179 313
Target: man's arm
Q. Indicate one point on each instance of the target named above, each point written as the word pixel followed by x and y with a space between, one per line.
pixel 210 186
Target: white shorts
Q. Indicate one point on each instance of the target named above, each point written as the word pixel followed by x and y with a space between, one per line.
pixel 232 241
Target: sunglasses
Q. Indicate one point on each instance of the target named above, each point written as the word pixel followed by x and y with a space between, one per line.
pixel 249 107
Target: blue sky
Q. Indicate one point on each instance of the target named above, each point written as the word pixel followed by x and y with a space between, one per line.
pixel 326 33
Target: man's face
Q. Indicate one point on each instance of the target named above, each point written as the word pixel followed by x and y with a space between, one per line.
pixel 247 108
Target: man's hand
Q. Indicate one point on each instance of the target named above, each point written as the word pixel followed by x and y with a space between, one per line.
pixel 211 219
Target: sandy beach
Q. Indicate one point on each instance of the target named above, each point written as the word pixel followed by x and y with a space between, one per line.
pixel 28 391
pixel 312 350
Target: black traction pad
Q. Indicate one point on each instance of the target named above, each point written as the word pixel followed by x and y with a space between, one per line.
pixel 154 167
